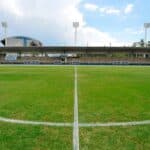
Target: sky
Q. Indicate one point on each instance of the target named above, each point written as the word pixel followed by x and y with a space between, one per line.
pixel 102 22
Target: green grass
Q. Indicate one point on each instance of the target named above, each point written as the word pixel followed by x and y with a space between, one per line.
pixel 106 94
pixel 26 137
pixel 115 138
pixel 37 93
pixel 112 94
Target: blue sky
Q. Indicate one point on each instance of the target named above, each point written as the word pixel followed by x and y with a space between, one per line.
pixel 119 22
pixel 125 25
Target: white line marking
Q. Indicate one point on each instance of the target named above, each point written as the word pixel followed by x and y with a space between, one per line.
pixel 109 124
pixel 59 124
pixel 55 124
pixel 76 124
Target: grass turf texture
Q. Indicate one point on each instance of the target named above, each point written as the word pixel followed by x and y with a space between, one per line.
pixel 37 93
pixel 47 94
pixel 26 137
pixel 112 138
pixel 113 94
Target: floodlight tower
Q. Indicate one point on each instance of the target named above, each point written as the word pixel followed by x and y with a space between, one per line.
pixel 75 25
pixel 146 26
pixel 4 25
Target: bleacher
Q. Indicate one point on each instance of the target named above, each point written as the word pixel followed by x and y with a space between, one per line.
pixel 75 55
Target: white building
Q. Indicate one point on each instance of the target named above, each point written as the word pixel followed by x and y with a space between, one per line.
pixel 21 41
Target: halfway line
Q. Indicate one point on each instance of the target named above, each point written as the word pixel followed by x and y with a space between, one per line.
pixel 76 124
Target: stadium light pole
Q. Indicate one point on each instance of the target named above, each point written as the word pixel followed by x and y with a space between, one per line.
pixel 4 25
pixel 146 26
pixel 75 25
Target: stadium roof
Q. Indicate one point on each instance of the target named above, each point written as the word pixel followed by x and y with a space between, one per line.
pixel 56 49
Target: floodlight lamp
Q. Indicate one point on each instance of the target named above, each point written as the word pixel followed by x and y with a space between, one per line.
pixel 147 25
pixel 75 24
pixel 4 24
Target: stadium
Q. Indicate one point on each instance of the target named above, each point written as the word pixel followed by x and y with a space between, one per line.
pixel 73 97
pixel 21 41
pixel 67 98
pixel 75 55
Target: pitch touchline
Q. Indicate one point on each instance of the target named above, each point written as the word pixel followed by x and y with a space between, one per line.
pixel 76 124
pixel 60 124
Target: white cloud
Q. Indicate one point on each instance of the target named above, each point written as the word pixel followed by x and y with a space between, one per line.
pixel 90 7
pixel 138 31
pixel 51 21
pixel 109 10
pixel 95 37
pixel 129 8
pixel 11 7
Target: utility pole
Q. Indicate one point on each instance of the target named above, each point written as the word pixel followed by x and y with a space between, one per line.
pixel 5 26
pixel 146 26
pixel 75 25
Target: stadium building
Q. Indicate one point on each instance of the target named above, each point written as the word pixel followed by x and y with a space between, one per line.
pixel 20 41
pixel 75 55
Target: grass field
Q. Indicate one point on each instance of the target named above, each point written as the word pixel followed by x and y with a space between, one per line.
pixel 114 94
pixel 37 93
pixel 46 93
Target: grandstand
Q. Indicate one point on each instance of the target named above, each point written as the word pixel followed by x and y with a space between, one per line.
pixel 75 55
